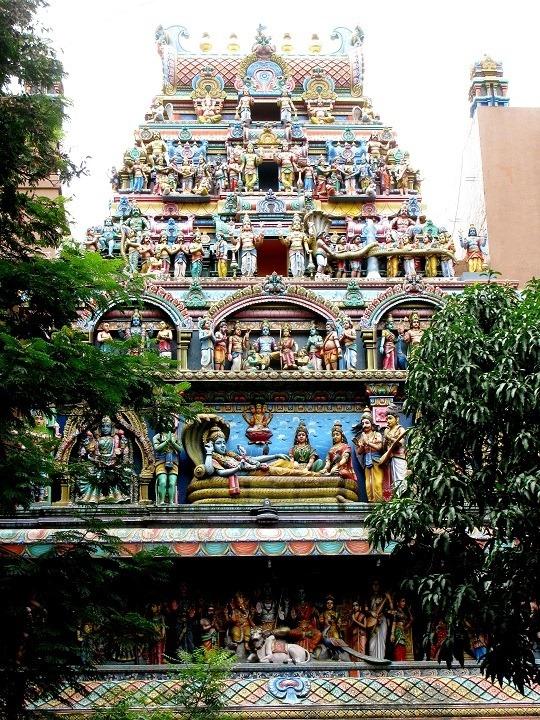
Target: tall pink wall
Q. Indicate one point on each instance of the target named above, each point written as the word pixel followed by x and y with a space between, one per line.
pixel 510 148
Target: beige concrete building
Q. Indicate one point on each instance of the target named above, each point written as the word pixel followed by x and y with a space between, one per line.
pixel 510 155
pixel 500 181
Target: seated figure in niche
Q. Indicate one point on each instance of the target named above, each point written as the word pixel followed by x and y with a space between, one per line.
pixel 302 453
pixel 108 452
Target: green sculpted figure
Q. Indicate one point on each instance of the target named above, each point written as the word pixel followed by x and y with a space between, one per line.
pixel 166 449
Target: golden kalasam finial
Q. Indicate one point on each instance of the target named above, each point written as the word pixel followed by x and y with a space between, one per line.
pixel 206 43
pixel 233 45
pixel 315 46
pixel 286 45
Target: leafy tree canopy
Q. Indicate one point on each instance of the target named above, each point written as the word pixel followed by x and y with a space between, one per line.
pixel 468 526
pixel 44 363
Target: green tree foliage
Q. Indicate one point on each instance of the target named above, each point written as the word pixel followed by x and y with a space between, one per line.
pixel 199 696
pixel 468 527
pixel 44 363
pixel 63 609
pixel 202 682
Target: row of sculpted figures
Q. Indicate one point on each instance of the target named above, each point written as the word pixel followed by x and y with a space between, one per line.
pixel 225 347
pixel 107 454
pixel 372 625
pixel 396 245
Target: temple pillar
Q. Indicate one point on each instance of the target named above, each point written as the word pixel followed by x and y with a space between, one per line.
pixel 183 339
pixel 369 338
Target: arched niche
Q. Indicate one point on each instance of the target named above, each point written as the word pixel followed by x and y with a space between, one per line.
pixel 278 306
pixel 119 321
pixel 397 305
pixel 141 453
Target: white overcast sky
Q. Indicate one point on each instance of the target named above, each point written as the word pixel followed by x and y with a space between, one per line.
pixel 418 55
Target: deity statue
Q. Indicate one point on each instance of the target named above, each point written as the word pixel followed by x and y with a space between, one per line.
pixel 108 452
pixel 329 622
pixel 207 340
pixel 221 254
pixel 196 252
pixel 350 171
pixel 287 162
pixel 302 453
pixel 234 170
pixel 314 347
pixel 250 161
pixel 109 235
pixel 401 635
pixel 288 349
pixel 209 628
pixel 239 615
pixel 320 111
pixel 356 634
pixel 258 432
pixel 104 338
pixel 247 243
pixel 269 612
pixel 323 170
pixel 378 605
pixel 305 618
pixel 164 339
pixel 387 345
pixel 227 463
pixel 132 247
pixel 447 261
pixel 220 346
pixel 394 451
pixel 413 335
pixel 237 345
pixel 184 616
pixel 348 341
pixel 155 652
pixel 178 251
pixel 368 447
pixel 473 244
pixel 208 108
pixel 331 349
pixel 166 452
pixel 136 331
pixel 221 475
pixel 339 457
pixel 161 251
pixel 265 347
pixel 298 243
pixel 287 108
pixel 243 109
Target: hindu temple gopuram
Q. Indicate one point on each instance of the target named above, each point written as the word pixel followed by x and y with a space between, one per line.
pixel 290 267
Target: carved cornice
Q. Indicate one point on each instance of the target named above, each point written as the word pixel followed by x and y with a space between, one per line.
pixel 311 375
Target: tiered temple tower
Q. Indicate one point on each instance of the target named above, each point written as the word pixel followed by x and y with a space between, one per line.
pixel 289 269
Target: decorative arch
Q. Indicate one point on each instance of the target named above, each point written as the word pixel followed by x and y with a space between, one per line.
pixel 154 295
pixel 410 289
pixel 256 295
